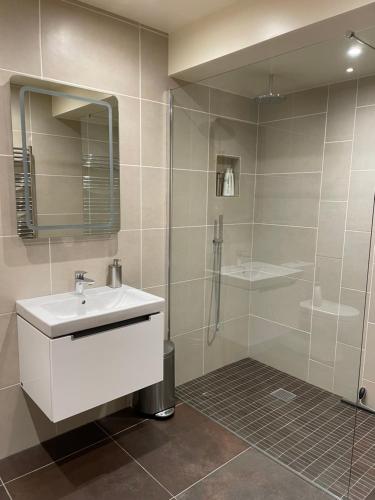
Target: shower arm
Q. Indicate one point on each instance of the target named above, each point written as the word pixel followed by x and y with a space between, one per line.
pixel 352 36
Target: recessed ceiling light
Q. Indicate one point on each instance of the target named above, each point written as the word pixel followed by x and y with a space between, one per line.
pixel 349 70
pixel 354 51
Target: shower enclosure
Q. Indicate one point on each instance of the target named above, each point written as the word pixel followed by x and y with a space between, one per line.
pixel 270 282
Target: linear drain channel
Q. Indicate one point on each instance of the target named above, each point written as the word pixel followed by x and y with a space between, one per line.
pixel 283 395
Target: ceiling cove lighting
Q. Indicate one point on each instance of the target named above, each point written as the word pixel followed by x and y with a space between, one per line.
pixel 354 51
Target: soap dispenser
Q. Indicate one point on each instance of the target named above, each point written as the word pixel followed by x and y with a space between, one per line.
pixel 115 274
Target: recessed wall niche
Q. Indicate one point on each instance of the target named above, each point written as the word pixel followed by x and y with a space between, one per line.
pixel 225 164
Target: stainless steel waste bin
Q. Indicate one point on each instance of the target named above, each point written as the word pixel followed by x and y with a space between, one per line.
pixel 158 400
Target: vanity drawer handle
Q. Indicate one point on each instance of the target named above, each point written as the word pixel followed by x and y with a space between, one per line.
pixel 110 326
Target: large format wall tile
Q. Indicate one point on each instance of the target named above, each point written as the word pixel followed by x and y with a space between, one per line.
pixel 369 367
pixel 323 337
pixel 233 106
pixel 189 198
pixel 190 139
pixel 347 367
pixel 294 145
pixel 129 133
pixel 130 194
pixel 331 228
pixel 306 102
pixel 236 247
pixel 9 370
pixel 287 246
pixel 366 91
pixel 341 110
pixel 364 144
pixel 8 224
pixel 234 300
pixel 192 96
pixel 187 258
pixel 73 52
pixel 189 356
pixel 19 28
pixel 154 196
pixel 236 209
pixel 229 345
pixel 287 199
pixel 154 265
pixel 153 136
pixel 336 171
pixel 352 310
pixel 187 306
pixel 361 201
pixel 233 138
pixel 5 114
pixel 281 347
pixel 154 66
pixel 356 256
pixel 321 375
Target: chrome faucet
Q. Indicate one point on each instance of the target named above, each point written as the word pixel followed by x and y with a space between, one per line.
pixel 80 281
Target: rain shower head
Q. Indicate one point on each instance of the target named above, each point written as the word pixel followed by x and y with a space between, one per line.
pixel 271 96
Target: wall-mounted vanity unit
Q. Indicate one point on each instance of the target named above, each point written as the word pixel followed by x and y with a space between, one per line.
pixel 77 352
pixel 66 159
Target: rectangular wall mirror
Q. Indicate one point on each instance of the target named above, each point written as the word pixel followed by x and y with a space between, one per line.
pixel 66 160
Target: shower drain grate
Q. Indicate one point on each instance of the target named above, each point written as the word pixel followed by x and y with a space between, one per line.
pixel 283 395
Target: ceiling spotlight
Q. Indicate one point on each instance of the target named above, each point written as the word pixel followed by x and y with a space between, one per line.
pixel 349 70
pixel 354 51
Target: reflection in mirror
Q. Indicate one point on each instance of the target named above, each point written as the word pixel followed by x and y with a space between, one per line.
pixel 66 160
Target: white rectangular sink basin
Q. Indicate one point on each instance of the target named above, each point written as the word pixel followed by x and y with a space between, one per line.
pixel 65 313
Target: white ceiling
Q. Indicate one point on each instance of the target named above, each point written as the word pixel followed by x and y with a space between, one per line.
pixel 165 15
pixel 301 69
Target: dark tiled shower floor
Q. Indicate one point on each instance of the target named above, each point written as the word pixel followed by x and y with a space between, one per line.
pixel 311 434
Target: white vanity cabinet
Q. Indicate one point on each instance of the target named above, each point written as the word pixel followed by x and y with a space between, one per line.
pixel 75 372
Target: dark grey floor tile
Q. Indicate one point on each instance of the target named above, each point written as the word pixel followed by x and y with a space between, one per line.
pixel 49 451
pixel 102 471
pixel 3 494
pixel 181 450
pixel 120 420
pixel 371 496
pixel 253 476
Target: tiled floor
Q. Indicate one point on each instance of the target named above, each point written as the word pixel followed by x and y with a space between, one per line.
pixel 123 457
pixel 312 434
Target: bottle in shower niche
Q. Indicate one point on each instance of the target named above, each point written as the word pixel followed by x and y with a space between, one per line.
pixel 228 184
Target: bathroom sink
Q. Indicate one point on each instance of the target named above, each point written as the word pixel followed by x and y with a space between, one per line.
pixel 65 313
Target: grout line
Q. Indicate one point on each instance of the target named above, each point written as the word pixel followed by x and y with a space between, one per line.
pixel 281 324
pixel 317 237
pixel 249 448
pixel 134 459
pixel 5 488
pixel 9 386
pixel 308 172
pixel 293 117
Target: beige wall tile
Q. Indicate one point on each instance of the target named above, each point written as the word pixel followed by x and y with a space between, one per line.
pixel 280 347
pixel 236 247
pixel 361 200
pixel 229 345
pixel 110 60
pixel 154 197
pixel 154 266
pixel 187 306
pixel 369 365
pixel 187 253
pixel 190 139
pixel 289 246
pixel 191 96
pixel 189 191
pixel 234 300
pixel 8 224
pixel 352 310
pixel 347 371
pixel 42 120
pixel 22 423
pixel 321 375
pixel 366 91
pixel 281 302
pixel 323 337
pixel 5 114
pixel 24 268
pixel 19 28
pixel 189 356
pixel 154 66
pixel 233 138
pixel 328 276
pixel 9 368
pixel 233 106
pixel 299 103
pixel 355 260
pixel 154 122
pixel 130 197
pixel 364 145
pixel 336 171
pixel 287 199
pixel 294 145
pixel 129 117
pixel 236 209
pixel 331 229
pixel 341 110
